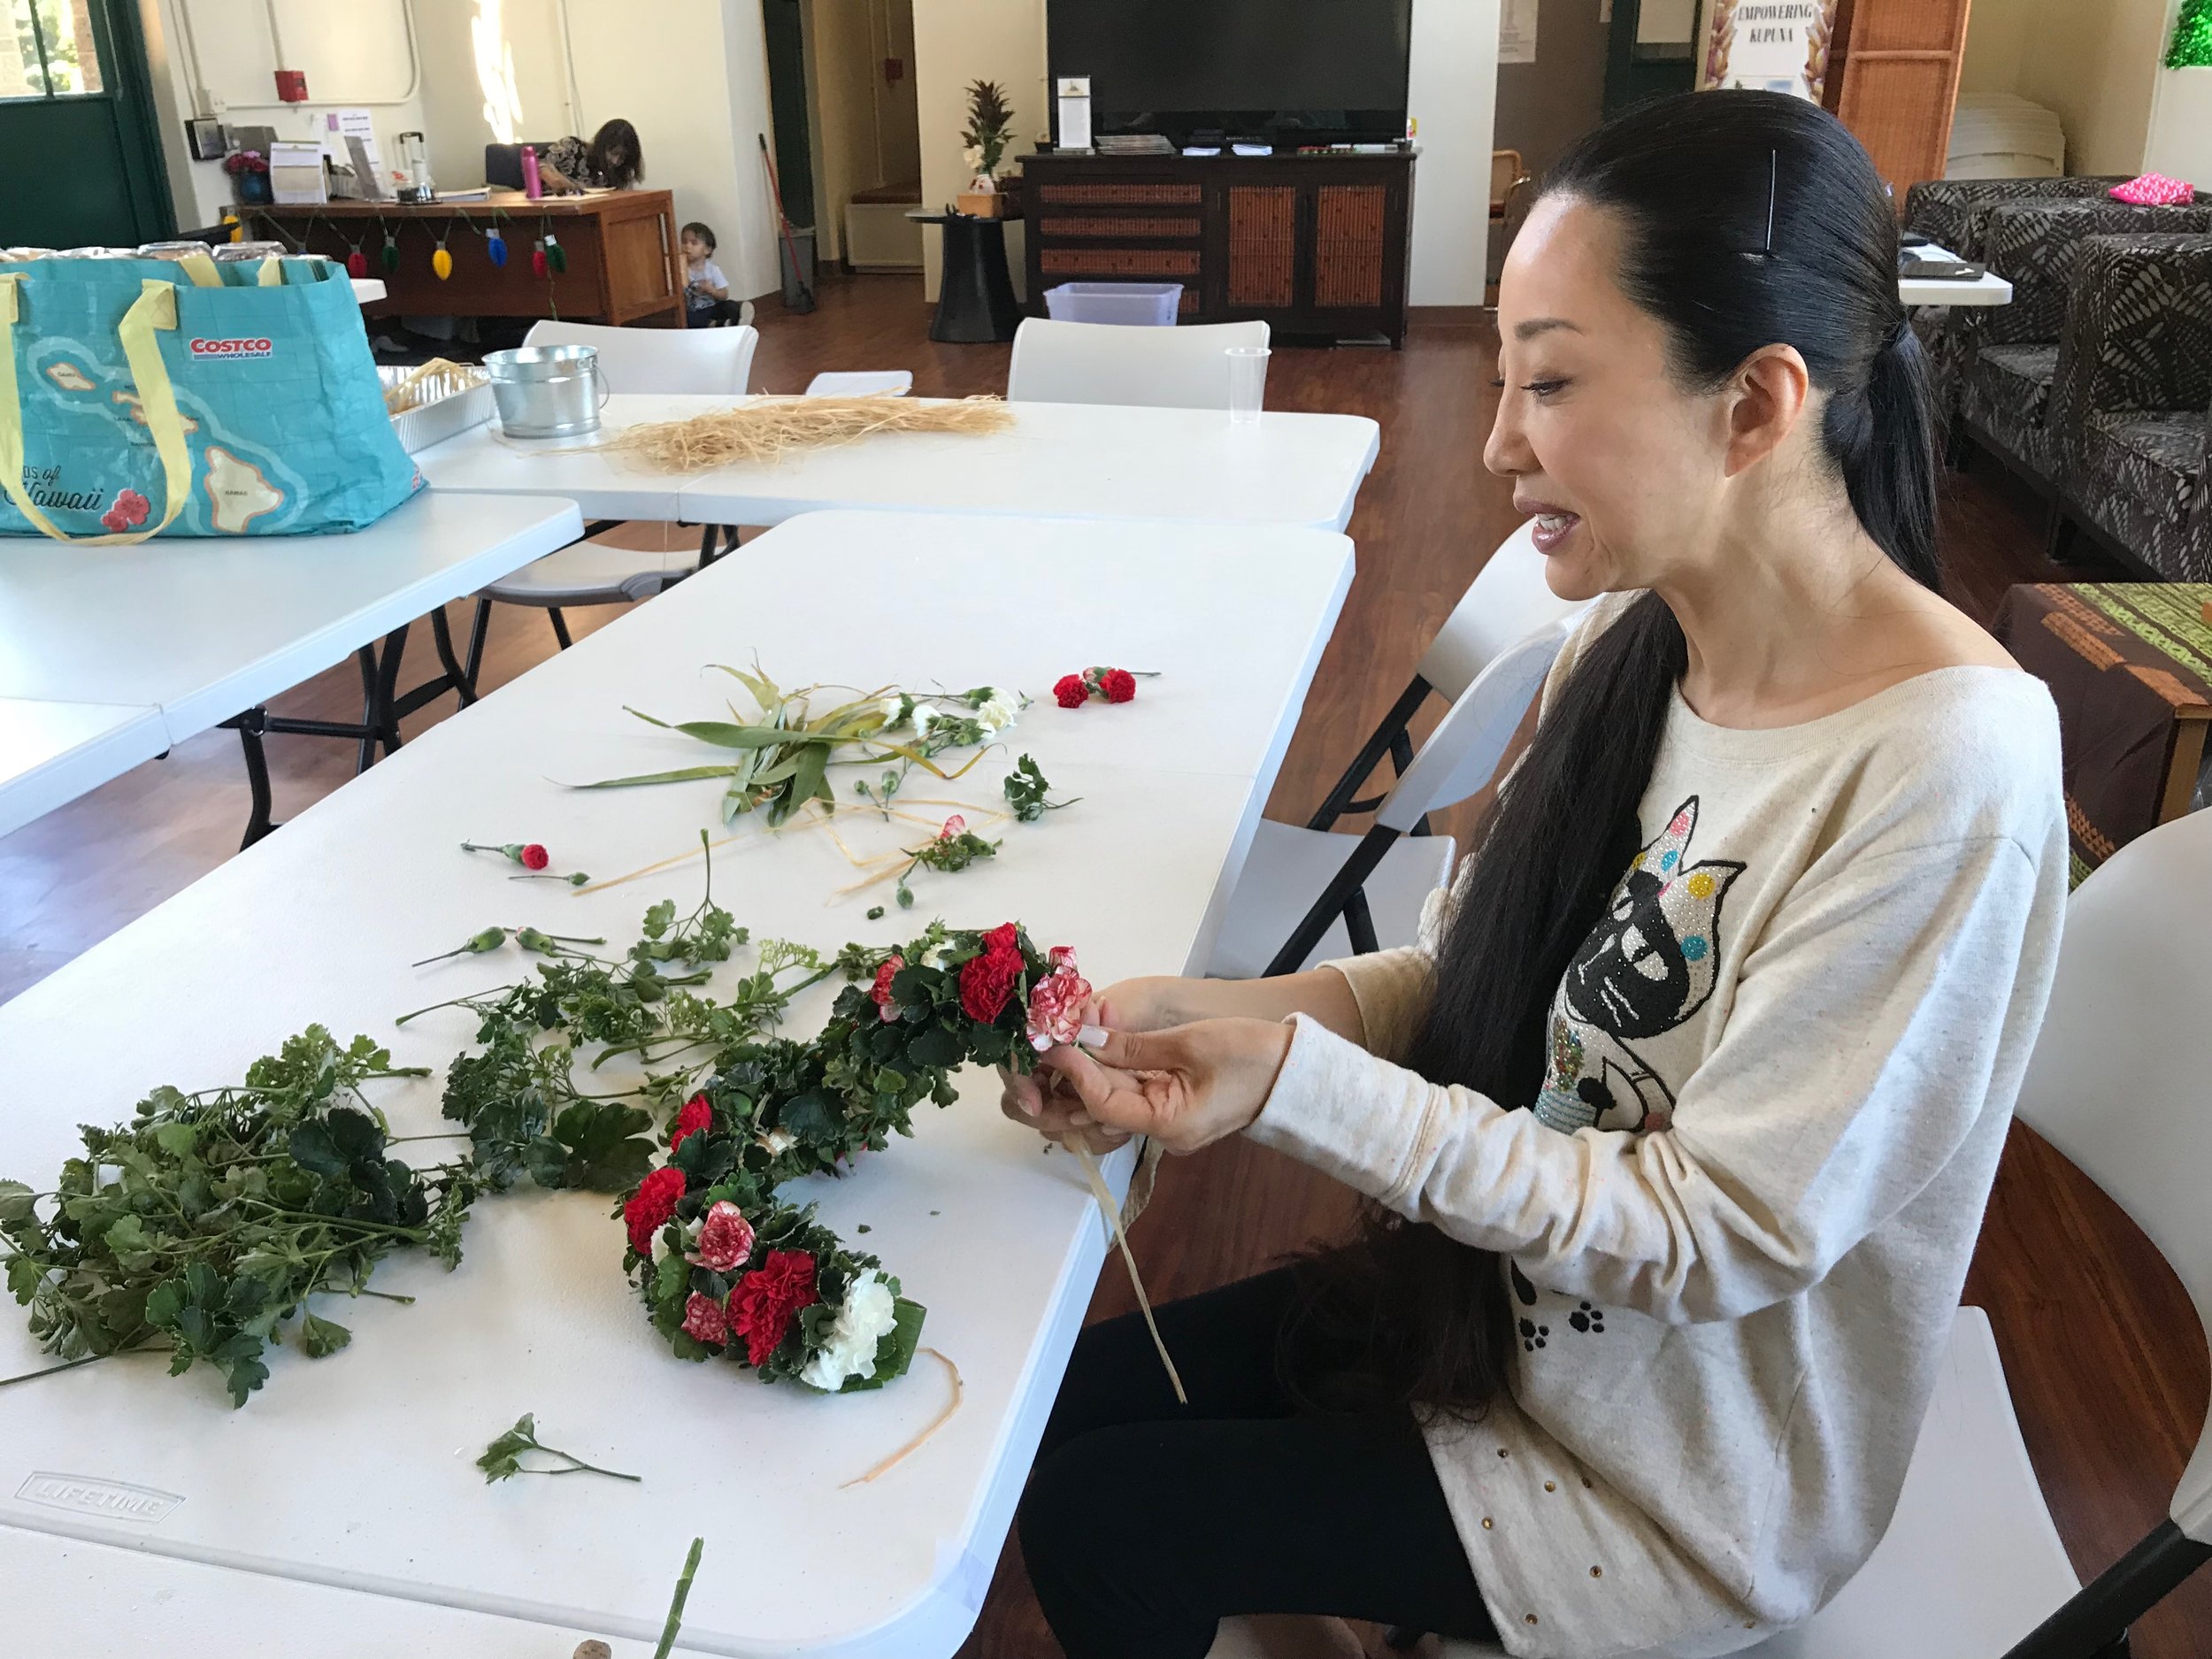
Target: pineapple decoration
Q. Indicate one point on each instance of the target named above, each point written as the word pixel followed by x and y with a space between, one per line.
pixel 357 262
pixel 389 257
pixel 441 261
pixel 2192 47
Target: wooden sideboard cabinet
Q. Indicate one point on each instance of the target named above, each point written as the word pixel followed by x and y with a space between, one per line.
pixel 1314 244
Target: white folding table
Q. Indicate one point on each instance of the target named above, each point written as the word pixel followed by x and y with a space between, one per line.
pixel 354 1473
pixel 1985 290
pixel 1057 461
pixel 53 752
pixel 201 628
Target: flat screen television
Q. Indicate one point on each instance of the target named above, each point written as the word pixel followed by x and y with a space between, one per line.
pixel 1289 72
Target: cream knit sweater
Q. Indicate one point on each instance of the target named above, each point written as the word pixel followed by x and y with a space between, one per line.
pixel 1739 1216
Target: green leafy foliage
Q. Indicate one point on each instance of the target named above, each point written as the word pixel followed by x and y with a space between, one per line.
pixel 207 1224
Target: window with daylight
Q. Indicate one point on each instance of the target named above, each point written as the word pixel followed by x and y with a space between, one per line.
pixel 47 50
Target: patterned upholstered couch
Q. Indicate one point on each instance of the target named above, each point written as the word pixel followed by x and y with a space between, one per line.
pixel 2133 390
pixel 1954 213
pixel 2002 361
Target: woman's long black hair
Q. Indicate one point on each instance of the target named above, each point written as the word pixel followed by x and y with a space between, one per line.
pixel 1748 220
pixel 612 136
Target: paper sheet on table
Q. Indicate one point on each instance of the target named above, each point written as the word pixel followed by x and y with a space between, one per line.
pixel 339 127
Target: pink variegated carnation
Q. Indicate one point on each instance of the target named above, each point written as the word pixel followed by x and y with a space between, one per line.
pixel 1056 1002
pixel 706 1321
pixel 726 1239
pixel 887 1006
pixel 955 827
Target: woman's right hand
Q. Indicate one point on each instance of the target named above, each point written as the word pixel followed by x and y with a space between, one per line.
pixel 1044 1101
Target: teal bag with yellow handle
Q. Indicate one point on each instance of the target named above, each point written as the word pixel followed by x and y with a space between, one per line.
pixel 143 397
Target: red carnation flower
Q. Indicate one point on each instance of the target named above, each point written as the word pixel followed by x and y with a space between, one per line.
pixel 535 857
pixel 987 980
pixel 705 1321
pixel 886 1008
pixel 762 1306
pixel 651 1205
pixel 1118 684
pixel 697 1114
pixel 1070 692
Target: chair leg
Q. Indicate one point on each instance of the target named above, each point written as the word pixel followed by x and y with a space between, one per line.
pixel 480 630
pixel 1389 738
pixel 1359 923
pixel 1335 898
pixel 2058 530
pixel 560 625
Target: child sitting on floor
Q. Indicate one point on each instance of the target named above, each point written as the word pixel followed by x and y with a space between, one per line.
pixel 706 290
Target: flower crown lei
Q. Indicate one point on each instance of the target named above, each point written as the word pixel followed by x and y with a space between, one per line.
pixel 725 1268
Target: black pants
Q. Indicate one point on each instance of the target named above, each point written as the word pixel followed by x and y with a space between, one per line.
pixel 1147 1521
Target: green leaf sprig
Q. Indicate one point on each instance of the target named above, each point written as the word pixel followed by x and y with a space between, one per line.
pixel 503 1458
pixel 1027 789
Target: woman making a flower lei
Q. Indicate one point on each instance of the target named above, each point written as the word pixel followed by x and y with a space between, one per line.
pixel 1677 1127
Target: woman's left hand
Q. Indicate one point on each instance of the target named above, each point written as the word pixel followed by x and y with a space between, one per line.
pixel 1187 1086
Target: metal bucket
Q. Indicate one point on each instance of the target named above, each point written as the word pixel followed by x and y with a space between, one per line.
pixel 547 391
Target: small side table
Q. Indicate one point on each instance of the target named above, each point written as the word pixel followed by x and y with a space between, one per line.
pixel 975 301
pixel 2130 667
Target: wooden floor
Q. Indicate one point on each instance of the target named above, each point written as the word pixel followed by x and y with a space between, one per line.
pixel 2104 1354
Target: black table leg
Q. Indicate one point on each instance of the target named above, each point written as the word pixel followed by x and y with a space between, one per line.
pixel 250 727
pixel 975 301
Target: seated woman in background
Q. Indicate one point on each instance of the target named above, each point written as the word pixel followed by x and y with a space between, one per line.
pixel 1677 1128
pixel 611 161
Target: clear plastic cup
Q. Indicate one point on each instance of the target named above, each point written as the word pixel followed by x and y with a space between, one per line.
pixel 1247 383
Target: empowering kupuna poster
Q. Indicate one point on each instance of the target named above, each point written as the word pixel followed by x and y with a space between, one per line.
pixel 1774 45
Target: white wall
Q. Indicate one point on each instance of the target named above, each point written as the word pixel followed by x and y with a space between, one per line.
pixel 957 42
pixel 2093 61
pixel 1453 95
pixel 2181 127
pixel 217 57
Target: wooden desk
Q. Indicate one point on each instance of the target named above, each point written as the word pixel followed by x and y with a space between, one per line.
pixel 624 260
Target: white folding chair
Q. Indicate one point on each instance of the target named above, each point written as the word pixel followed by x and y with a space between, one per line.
pixel 1971 1567
pixel 1370 890
pixel 588 573
pixel 1507 600
pixel 861 383
pixel 1100 363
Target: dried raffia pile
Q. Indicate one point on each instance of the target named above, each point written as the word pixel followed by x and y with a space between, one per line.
pixel 769 428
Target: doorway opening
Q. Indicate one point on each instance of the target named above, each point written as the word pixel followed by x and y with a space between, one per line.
pixel 75 93
pixel 861 130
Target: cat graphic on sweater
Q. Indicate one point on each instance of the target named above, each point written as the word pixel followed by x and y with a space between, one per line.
pixel 1648 966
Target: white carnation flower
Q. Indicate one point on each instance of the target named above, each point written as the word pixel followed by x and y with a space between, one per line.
pixel 848 1349
pixel 924 718
pixel 894 711
pixel 998 710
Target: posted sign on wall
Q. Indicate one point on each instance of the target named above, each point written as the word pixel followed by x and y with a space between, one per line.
pixel 1774 45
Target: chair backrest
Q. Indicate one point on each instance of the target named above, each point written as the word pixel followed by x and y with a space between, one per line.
pixel 1461 755
pixel 861 383
pixel 709 360
pixel 1507 601
pixel 1105 362
pixel 1505 168
pixel 2118 1079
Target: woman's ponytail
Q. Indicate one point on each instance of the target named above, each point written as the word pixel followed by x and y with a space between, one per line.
pixel 1884 443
